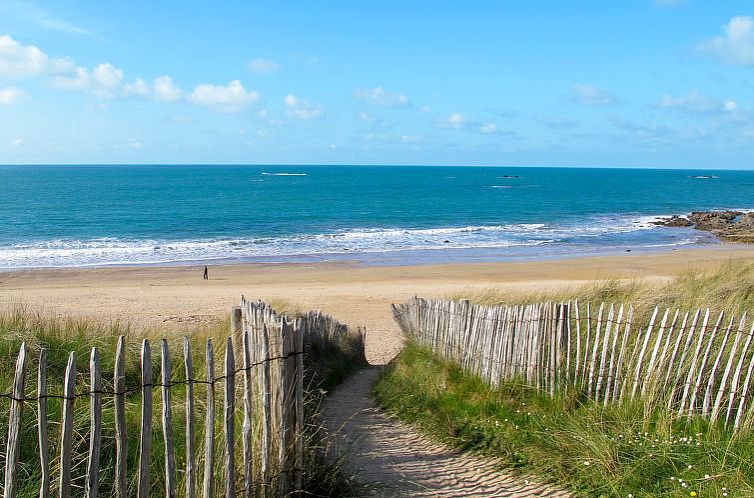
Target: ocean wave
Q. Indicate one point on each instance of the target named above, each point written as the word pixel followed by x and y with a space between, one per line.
pixel 595 231
pixel 285 174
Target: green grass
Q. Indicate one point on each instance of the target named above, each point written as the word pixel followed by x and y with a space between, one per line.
pixel 61 335
pixel 633 448
pixel 593 450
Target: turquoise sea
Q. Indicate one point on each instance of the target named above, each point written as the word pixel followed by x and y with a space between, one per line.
pixel 58 216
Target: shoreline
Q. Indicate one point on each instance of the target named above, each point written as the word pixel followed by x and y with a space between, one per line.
pixel 176 300
pixel 413 256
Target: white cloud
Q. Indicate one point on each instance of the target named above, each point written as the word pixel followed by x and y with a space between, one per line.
pixel 104 81
pixel 368 117
pixel 736 44
pixel 230 98
pixel 262 66
pixel 17 142
pixel 26 61
pixel 696 103
pixel 382 98
pixel 455 120
pixel 591 95
pixel 299 109
pixel 10 95
pixel 165 91
pixel 139 87
pixel 131 144
pixel 489 129
pixel 409 139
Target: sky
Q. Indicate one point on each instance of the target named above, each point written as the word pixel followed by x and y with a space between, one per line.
pixel 644 83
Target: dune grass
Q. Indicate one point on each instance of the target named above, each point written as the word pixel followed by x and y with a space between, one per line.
pixel 628 449
pixel 728 287
pixel 59 336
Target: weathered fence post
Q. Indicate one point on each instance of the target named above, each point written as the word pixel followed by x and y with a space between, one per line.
pixel 209 425
pixel 236 330
pixel 66 433
pixel 145 439
pixel 14 425
pixel 121 440
pixel 247 415
pixel 95 431
pixel 44 444
pixel 190 422
pixel 230 421
pixel 167 423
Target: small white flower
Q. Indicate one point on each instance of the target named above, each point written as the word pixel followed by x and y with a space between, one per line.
pixel 706 476
pixel 586 462
pixel 689 467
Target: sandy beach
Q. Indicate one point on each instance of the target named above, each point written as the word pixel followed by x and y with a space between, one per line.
pixel 176 299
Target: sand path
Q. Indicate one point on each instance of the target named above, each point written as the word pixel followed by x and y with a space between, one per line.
pixel 393 459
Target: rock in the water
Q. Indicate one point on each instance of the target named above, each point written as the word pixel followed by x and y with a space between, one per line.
pixel 713 220
pixel 673 221
pixel 729 226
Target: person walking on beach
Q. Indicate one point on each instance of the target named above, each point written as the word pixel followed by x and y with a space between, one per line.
pixel 206 273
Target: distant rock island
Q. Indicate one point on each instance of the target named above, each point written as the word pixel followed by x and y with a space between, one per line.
pixel 729 226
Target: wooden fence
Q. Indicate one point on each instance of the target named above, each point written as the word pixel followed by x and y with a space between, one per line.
pixel 263 365
pixel 696 363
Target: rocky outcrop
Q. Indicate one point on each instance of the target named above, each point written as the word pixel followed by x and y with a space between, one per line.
pixel 674 221
pixel 729 226
pixel 713 220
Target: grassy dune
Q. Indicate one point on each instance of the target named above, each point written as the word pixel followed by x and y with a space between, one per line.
pixel 61 335
pixel 628 449
pixel 729 287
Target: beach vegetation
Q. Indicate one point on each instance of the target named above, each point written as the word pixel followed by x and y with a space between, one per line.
pixel 631 448
pixel 60 335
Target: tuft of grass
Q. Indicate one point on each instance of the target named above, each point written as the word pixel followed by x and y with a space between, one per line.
pixel 619 450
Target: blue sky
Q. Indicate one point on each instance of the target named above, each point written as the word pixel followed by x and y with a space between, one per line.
pixel 633 83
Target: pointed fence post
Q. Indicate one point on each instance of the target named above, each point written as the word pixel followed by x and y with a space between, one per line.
pixel 209 425
pixel 44 443
pixel 247 414
pixel 230 421
pixel 95 431
pixel 145 440
pixel 66 433
pixel 121 439
pixel 190 421
pixel 14 425
pixel 167 423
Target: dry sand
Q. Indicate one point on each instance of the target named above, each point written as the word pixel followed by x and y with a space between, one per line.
pixel 176 298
